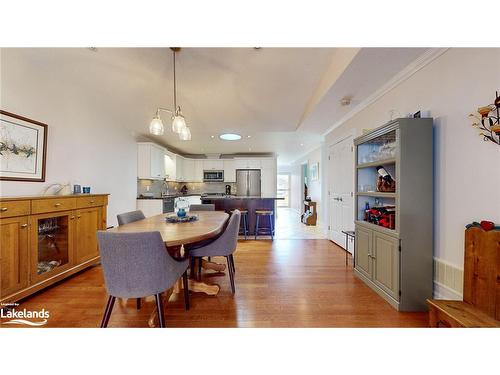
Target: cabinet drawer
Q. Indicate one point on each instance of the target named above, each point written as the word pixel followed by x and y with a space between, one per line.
pixel 84 202
pixel 14 208
pixel 52 205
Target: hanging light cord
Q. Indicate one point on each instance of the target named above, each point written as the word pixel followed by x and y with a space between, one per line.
pixel 175 89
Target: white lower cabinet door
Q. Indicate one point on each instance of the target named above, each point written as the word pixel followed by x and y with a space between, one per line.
pixel 386 263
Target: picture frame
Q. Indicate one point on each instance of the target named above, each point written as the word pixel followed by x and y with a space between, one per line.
pixel 23 148
pixel 314 172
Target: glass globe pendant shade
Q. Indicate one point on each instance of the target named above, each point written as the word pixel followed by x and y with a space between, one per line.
pixel 178 124
pixel 156 126
pixel 185 134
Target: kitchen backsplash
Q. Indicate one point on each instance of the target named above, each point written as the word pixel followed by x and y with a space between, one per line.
pixel 156 187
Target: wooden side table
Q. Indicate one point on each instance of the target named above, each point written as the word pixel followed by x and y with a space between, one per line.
pixel 348 234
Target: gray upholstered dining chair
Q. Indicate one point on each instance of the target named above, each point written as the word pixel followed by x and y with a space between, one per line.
pixel 224 245
pixel 202 207
pixel 138 265
pixel 130 217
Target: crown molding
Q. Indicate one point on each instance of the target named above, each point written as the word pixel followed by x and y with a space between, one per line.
pixel 423 60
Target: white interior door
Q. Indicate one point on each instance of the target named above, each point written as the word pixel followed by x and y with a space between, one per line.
pixel 341 191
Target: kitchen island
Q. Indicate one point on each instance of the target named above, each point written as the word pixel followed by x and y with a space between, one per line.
pixel 228 203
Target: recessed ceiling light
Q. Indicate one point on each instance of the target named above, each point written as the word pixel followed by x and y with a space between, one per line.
pixel 249 136
pixel 302 144
pixel 230 137
pixel 212 136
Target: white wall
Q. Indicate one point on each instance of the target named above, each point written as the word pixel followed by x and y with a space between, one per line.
pixel 88 140
pixel 467 169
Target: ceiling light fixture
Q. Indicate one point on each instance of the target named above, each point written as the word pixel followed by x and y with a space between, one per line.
pixel 230 137
pixel 179 125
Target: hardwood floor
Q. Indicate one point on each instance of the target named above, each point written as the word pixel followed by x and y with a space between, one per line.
pixel 285 283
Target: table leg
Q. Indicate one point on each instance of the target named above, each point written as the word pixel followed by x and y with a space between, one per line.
pixel 219 267
pixel 153 318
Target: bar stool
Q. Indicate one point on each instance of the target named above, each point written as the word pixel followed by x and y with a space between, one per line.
pixel 244 221
pixel 265 231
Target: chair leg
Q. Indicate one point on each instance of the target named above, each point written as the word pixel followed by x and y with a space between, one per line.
pixel 159 307
pixel 186 290
pixel 200 262
pixel 209 259
pixel 271 226
pixel 245 226
pixel 138 303
pixel 231 274
pixel 257 226
pixel 192 264
pixel 107 312
pixel 232 263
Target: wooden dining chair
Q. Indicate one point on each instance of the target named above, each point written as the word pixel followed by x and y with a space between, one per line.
pixel 137 265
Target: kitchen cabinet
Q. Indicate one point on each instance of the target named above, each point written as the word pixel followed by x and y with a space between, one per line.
pixel 189 170
pixel 247 163
pixel 179 168
pixel 198 170
pixel 213 165
pixel 150 161
pixel 229 170
pixel 44 240
pixel 170 162
pixel 268 181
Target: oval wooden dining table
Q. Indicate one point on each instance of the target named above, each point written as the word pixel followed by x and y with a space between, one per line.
pixel 177 235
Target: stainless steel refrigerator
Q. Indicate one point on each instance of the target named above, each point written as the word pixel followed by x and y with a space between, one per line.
pixel 248 182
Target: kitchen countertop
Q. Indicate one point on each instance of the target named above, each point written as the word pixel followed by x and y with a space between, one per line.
pixel 208 197
pixel 171 196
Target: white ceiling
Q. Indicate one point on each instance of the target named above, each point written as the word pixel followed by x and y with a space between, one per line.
pixel 283 98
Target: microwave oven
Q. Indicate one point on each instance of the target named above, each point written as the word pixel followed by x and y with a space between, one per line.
pixel 213 176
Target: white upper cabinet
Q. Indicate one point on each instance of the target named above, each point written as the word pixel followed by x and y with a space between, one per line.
pixel 169 159
pixel 247 163
pixel 213 165
pixel 268 180
pixel 268 163
pixel 150 161
pixel 179 168
pixel 189 170
pixel 198 170
pixel 229 170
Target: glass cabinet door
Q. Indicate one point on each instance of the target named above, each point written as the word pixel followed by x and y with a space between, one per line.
pixel 378 149
pixel 51 243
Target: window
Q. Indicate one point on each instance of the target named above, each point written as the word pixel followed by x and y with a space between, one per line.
pixel 283 189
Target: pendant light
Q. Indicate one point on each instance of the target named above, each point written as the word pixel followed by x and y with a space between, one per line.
pixel 156 125
pixel 178 121
pixel 185 134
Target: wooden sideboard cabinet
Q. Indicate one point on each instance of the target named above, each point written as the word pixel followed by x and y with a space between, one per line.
pixel 46 239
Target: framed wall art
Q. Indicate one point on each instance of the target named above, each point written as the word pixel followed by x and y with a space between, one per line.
pixel 314 172
pixel 23 148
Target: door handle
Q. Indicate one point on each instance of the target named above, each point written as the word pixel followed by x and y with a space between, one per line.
pixel 4 209
pixel 24 225
pixel 57 204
